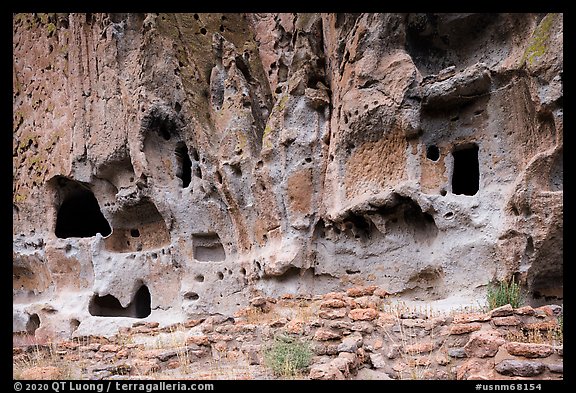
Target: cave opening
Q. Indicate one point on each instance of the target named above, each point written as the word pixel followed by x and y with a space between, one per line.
pixel 432 153
pixel 109 306
pixel 466 172
pixel 208 247
pixel 79 215
pixel 184 168
pixel 33 324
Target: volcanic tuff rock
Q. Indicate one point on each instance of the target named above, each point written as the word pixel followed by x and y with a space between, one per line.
pixel 171 166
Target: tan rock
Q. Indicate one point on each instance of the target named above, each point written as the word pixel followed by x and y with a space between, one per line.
pixel 462 328
pixel 529 350
pixel 525 310
pixel 511 320
pixel 42 373
pixel 198 340
pixel 295 326
pixel 543 325
pixel 502 311
pixel 193 322
pixel 363 314
pixel 421 347
pixel 361 291
pixel 475 369
pixel 323 334
pixel 484 343
pixel 278 323
pixel 333 303
pixel 334 313
pixel 471 317
pixel 109 348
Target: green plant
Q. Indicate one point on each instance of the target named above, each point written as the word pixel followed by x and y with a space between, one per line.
pixel 503 293
pixel 287 356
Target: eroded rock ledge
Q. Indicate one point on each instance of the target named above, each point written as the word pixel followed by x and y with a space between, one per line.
pixel 174 166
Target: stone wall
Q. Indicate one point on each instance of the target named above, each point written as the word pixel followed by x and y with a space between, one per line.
pixel 360 333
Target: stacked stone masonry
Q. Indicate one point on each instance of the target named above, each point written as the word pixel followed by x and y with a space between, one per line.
pixel 363 336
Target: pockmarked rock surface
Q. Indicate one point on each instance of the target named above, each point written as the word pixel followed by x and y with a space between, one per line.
pixel 170 167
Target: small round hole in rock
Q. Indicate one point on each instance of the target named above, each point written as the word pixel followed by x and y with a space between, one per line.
pixel 220 276
pixel 199 278
pixel 191 296
pixel 134 233
pixel 432 153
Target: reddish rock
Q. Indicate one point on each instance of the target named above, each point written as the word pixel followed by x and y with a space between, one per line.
pixel 529 350
pixel 368 302
pixel 189 324
pixel 335 295
pixel 484 344
pixel 323 334
pixel 295 326
pixel 141 330
pixel 363 314
pixel 526 310
pixel 361 291
pixel 502 311
pixel 511 320
pixel 68 345
pixel 421 361
pixel 198 340
pixel 462 328
pixel 471 317
pixel 333 303
pixel 214 337
pixel 421 347
pixel 333 313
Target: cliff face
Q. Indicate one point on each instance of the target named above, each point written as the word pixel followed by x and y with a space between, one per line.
pixel 168 166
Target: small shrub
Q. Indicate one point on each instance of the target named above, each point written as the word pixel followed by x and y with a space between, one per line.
pixel 503 293
pixel 287 357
